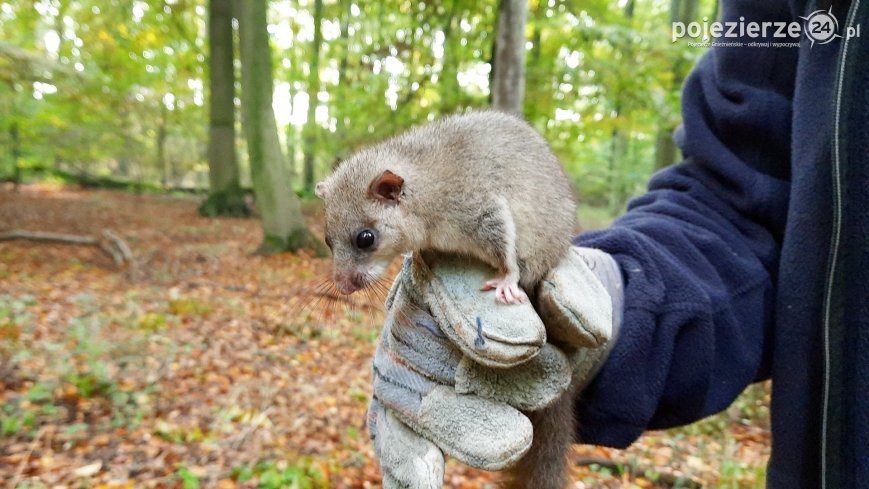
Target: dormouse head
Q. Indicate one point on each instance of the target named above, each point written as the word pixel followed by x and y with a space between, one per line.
pixel 365 221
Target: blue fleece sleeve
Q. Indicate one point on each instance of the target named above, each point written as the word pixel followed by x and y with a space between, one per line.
pixel 699 251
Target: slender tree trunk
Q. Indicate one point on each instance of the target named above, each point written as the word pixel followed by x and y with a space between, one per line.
pixel 492 58
pixel 509 79
pixel 225 197
pixel 620 138
pixel 162 163
pixel 450 91
pixel 124 160
pixel 343 65
pixel 618 152
pixel 689 10
pixel 15 137
pixel 291 151
pixel 313 91
pixel 665 148
pixel 535 73
pixel 283 224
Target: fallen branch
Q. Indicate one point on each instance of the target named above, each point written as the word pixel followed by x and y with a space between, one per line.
pixel 113 245
pixel 120 244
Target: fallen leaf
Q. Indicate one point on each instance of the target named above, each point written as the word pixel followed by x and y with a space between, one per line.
pixel 88 470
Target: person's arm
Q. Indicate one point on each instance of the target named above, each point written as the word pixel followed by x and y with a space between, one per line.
pixel 699 252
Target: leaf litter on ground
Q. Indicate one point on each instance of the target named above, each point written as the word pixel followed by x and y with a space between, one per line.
pixel 203 365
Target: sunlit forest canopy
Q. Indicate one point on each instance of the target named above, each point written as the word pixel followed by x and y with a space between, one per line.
pixel 119 88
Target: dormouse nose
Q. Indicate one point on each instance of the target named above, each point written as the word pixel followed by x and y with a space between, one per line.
pixel 349 282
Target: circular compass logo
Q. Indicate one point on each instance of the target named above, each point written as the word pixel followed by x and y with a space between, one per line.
pixel 821 26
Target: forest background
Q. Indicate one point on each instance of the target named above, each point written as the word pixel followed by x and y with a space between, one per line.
pixel 158 162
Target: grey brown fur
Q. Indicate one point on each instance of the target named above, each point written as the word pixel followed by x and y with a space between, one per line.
pixel 472 184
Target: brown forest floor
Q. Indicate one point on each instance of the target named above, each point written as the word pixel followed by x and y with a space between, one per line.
pixel 195 369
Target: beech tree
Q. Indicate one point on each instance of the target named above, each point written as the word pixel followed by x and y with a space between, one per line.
pixel 666 153
pixel 311 130
pixel 509 70
pixel 283 225
pixel 225 197
pixel 125 93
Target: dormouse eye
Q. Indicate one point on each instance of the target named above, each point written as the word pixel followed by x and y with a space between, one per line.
pixel 365 239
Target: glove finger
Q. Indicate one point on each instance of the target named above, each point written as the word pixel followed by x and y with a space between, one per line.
pixel 489 332
pixel 414 369
pixel 531 386
pixel 407 461
pixel 479 432
pixel 413 337
pixel 485 434
pixel 396 385
pixel 574 304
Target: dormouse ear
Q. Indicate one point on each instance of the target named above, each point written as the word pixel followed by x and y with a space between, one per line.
pixel 386 188
pixel 320 190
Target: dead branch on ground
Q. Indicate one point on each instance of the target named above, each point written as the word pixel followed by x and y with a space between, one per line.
pixel 111 244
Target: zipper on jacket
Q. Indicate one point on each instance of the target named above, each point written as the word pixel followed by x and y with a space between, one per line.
pixel 834 242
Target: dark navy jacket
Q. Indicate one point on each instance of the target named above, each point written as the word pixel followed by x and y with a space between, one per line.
pixel 750 259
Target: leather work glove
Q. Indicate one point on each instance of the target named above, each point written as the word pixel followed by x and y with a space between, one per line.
pixel 454 369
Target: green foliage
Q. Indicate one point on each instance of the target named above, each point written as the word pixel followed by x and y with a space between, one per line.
pixel 111 88
pixel 12 316
pixel 82 178
pixel 737 474
pixel 188 479
pixel 102 89
pixel 750 408
pixel 83 365
pixel 180 435
pixel 366 333
pixel 151 322
pixel 185 306
pixel 14 420
pixel 590 217
pixel 300 474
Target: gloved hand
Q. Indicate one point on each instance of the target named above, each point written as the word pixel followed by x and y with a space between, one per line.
pixel 454 368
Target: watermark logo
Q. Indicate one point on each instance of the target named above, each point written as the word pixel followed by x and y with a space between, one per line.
pixel 820 27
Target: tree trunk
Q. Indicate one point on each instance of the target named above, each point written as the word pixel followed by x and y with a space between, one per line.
pixel 123 169
pixel 618 152
pixel 509 78
pixel 535 74
pixel 492 55
pixel 620 141
pixel 162 163
pixel 15 137
pixel 225 197
pixel 313 90
pixel 283 224
pixel 665 148
pixel 689 10
pixel 715 10
pixel 342 89
pixel 448 79
pixel 292 170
